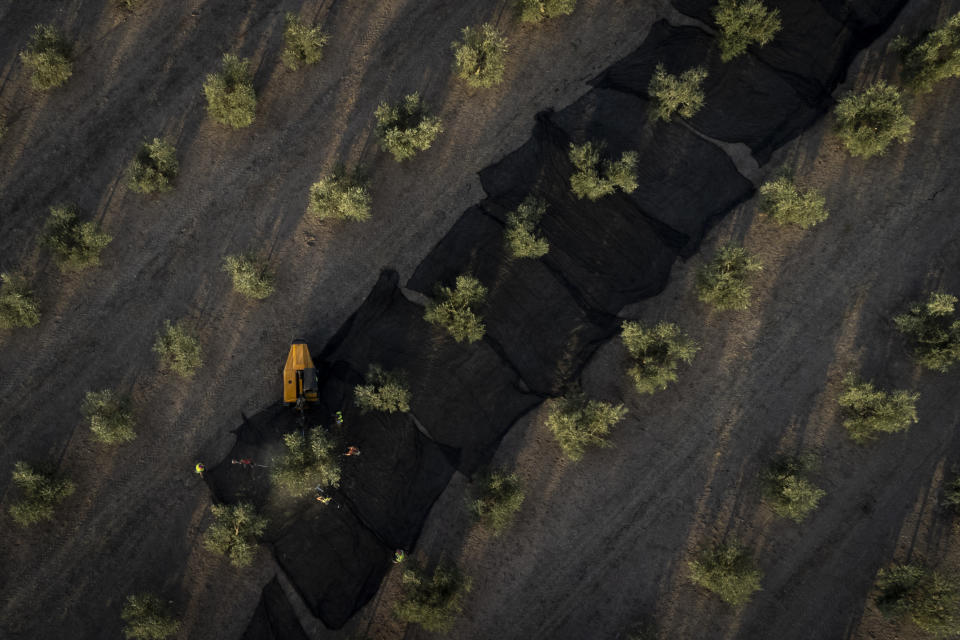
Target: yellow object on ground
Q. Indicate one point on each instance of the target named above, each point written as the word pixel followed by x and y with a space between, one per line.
pixel 300 382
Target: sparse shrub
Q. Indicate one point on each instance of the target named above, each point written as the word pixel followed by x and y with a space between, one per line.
pixel 727 570
pixel 385 391
pixel 75 245
pixel 722 282
pixel 178 350
pixel 405 128
pixel 869 411
pixel 235 532
pixel 927 597
pixel 540 10
pixel 344 195
pixel 309 461
pixel 519 236
pixel 434 601
pixel 109 417
pixel 578 422
pixel 454 309
pixel 951 494
pixel 655 353
pixel 231 100
pixel 499 499
pixel 41 492
pixel 788 491
pixel 479 59
pixel 935 331
pixel 867 122
pixel 154 167
pixel 49 56
pixel 251 275
pixel 594 178
pixel 783 201
pixel 303 43
pixel 672 94
pixel 743 23
pixel 148 618
pixel 933 57
pixel 17 305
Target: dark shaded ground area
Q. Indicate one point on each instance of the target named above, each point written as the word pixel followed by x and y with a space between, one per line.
pixel 274 618
pixel 544 317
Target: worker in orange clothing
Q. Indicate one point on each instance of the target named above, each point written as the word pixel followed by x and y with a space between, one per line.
pixel 352 451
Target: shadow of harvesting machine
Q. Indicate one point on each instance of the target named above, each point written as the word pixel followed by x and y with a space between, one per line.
pixel 300 382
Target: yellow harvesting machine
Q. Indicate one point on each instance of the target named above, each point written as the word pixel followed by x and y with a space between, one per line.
pixel 300 382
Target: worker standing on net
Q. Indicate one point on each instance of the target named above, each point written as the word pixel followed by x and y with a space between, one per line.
pixel 199 469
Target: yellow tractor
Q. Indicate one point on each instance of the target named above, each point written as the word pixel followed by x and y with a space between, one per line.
pixel 300 383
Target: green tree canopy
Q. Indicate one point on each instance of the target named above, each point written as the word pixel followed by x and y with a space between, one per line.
pixel 41 491
pixel 656 353
pixel 154 167
pixel 595 178
pixel 303 43
pixel 343 195
pixel 932 57
pixel 479 58
pixel 929 598
pixel 934 328
pixel 75 245
pixel 231 100
pixel 384 391
pixel 18 308
pixel 785 203
pixel 787 490
pixel 499 497
pixel 148 618
pixel 455 309
pixel 49 56
pixel 235 532
pixel 178 350
pixel 682 95
pixel 406 128
pixel 869 411
pixel 432 601
pixel 722 282
pixel 743 23
pixel 540 10
pixel 520 234
pixel 869 121
pixel 727 570
pixel 578 422
pixel 308 461
pixel 252 277
pixel 109 417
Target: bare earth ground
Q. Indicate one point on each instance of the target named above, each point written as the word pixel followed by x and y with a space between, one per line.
pixel 603 544
pixel 135 522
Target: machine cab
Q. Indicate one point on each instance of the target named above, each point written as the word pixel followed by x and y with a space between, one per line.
pixel 300 382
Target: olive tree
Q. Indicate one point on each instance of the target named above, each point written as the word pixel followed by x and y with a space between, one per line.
pixel 18 308
pixel 251 275
pixel 934 328
pixel 231 100
pixel 308 461
pixel 384 391
pixel 455 309
pixel 787 489
pixel 303 43
pixel 869 121
pixel 178 350
pixel 234 532
pixel 406 128
pixel 578 422
pixel 49 56
pixel 147 617
pixel 722 282
pixel 109 417
pixel 154 167
pixel 479 57
pixel 727 570
pixel 497 501
pixel 928 598
pixel 932 57
pixel 520 234
pixel 743 23
pixel 595 178
pixel 540 10
pixel 75 245
pixel 343 195
pixel 681 94
pixel 41 491
pixel 786 203
pixel 432 601
pixel 656 353
pixel 868 411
